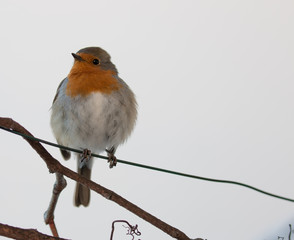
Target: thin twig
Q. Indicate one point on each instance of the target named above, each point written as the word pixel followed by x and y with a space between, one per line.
pixel 131 229
pixel 53 228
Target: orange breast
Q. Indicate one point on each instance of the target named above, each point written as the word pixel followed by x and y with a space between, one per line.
pixel 84 79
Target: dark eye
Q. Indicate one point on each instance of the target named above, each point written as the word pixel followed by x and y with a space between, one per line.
pixel 96 61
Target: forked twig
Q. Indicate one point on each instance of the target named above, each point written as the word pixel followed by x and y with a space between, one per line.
pixel 55 167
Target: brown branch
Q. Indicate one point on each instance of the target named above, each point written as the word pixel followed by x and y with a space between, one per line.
pixel 21 233
pixel 55 167
pixel 59 185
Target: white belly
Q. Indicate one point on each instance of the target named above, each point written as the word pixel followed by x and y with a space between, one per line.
pixel 95 122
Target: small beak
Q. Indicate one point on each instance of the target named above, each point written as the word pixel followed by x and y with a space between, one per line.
pixel 77 57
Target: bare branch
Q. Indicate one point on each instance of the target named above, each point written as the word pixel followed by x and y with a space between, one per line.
pixel 20 233
pixel 55 167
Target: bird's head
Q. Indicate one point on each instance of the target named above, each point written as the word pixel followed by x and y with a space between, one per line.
pixel 92 71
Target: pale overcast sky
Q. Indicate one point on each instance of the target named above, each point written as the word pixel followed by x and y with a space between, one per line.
pixel 214 84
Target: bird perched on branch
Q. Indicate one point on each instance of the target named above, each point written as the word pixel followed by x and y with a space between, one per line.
pixel 93 110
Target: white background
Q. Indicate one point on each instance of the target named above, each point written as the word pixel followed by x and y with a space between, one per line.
pixel 214 83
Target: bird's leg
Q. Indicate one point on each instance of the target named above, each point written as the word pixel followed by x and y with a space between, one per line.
pixel 59 185
pixel 111 158
pixel 85 156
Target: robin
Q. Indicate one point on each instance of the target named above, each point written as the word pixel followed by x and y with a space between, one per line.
pixel 93 110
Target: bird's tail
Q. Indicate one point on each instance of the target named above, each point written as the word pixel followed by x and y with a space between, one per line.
pixel 82 195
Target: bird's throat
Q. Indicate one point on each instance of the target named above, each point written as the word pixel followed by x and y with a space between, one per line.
pixel 82 82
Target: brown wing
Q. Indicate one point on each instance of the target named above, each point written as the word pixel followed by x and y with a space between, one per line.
pixel 56 95
pixel 65 154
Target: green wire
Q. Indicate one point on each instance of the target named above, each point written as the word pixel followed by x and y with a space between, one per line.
pixel 151 167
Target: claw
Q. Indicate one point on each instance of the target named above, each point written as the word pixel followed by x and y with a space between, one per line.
pixel 85 156
pixel 111 158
